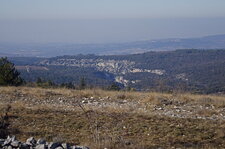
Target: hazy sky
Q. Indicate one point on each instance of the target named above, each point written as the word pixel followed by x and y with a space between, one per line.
pixel 90 21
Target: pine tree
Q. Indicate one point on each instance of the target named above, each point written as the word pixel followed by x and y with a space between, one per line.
pixel 8 73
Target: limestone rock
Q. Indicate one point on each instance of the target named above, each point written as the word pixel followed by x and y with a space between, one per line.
pixel 15 144
pixel 65 146
pixel 1 142
pixel 24 146
pixel 53 145
pixel 7 141
pixel 41 141
pixel 80 147
pixel 41 146
pixel 31 141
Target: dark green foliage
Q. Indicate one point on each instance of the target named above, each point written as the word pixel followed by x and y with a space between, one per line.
pixel 8 74
pixel 45 84
pixel 69 85
pixel 39 80
pixel 65 75
pixel 82 83
pixel 114 87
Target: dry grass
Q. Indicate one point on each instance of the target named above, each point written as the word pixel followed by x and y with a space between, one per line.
pixel 39 92
pixel 112 127
pixel 141 96
pixel 115 130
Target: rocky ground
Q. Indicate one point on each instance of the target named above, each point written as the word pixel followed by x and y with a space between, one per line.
pixel 31 143
pixel 157 120
pixel 204 108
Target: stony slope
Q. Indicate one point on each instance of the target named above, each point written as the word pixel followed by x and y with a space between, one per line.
pixel 101 119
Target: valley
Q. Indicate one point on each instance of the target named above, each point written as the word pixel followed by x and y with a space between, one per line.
pixel 200 71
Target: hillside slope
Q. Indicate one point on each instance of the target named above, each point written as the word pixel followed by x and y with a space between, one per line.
pixel 103 119
pixel 189 70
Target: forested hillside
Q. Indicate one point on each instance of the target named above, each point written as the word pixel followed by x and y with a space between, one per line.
pixel 201 71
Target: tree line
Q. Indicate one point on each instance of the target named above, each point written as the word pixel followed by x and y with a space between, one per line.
pixel 9 76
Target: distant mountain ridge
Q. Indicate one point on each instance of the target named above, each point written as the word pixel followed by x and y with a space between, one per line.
pixel 60 49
